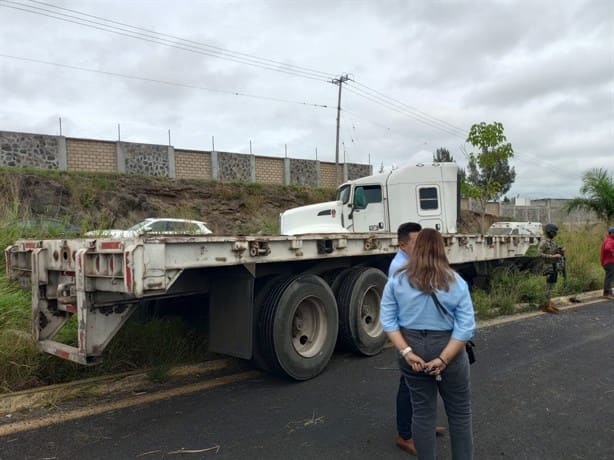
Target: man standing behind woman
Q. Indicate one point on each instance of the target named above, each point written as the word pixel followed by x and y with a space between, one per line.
pixel 431 343
pixel 406 236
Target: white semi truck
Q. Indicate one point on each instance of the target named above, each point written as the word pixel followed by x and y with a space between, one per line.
pixel 284 302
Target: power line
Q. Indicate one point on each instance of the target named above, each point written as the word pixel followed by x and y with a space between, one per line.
pixel 415 117
pixel 127 30
pixel 217 48
pixel 399 107
pixel 407 107
pixel 354 114
pixel 164 82
pixel 178 43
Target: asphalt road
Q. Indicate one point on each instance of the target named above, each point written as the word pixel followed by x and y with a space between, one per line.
pixel 543 388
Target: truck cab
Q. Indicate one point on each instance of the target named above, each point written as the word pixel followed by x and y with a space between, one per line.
pixel 423 193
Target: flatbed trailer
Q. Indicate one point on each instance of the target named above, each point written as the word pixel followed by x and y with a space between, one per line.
pixel 284 302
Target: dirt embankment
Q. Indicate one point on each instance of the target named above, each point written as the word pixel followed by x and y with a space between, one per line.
pixel 118 201
pixel 114 201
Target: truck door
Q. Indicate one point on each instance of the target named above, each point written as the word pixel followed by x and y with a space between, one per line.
pixel 429 206
pixel 368 209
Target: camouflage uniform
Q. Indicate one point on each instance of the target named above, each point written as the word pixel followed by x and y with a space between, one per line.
pixel 547 250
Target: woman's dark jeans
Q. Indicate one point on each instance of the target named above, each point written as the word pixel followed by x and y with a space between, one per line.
pixel 454 388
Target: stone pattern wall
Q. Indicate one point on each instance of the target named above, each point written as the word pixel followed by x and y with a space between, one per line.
pixel 146 159
pixel 303 172
pixel 193 164
pixel 269 170
pixel 90 155
pixel 29 150
pixel 58 152
pixel 356 171
pixel 234 166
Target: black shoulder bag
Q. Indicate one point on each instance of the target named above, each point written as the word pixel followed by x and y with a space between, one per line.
pixel 469 345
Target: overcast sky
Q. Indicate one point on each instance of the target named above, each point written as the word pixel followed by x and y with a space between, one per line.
pixel 421 73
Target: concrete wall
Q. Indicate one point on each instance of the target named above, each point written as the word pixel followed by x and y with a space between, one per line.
pixel 58 152
pixel 472 205
pixel 269 170
pixel 91 155
pixel 549 210
pixel 193 164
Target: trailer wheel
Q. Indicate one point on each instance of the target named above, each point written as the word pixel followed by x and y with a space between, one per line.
pixel 358 297
pixel 298 326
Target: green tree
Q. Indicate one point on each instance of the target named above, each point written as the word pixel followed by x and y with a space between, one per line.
pixel 598 191
pixel 489 175
pixel 442 155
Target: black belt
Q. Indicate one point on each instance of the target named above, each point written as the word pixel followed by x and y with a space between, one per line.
pixel 425 332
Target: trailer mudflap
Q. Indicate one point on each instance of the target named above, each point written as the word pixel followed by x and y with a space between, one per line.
pixel 231 311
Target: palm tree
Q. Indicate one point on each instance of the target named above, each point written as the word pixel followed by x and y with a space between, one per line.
pixel 598 191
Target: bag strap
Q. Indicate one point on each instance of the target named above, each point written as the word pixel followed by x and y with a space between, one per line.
pixel 443 310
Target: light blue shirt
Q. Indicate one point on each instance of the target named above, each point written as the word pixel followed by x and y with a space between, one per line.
pixel 405 306
pixel 400 259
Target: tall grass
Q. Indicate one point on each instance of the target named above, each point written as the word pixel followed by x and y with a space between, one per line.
pixel 155 343
pixel 508 288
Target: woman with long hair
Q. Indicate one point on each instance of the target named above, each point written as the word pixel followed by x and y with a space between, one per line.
pixel 431 341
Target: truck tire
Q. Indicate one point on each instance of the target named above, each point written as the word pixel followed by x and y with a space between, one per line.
pixel 298 327
pixel 358 298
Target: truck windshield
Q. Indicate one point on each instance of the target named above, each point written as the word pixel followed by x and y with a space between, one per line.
pixel 343 194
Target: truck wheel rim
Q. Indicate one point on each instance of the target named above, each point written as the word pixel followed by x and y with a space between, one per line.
pixel 369 313
pixel 309 326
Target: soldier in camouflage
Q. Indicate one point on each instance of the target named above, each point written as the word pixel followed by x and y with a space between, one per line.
pixel 553 256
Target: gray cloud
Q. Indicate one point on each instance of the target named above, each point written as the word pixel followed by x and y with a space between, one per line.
pixel 544 69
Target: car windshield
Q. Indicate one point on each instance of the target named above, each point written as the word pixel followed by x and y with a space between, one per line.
pixel 166 226
pixel 140 226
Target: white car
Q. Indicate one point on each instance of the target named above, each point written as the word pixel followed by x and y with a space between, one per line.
pixel 156 226
pixel 516 228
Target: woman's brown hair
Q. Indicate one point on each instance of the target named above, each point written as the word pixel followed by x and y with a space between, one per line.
pixel 428 268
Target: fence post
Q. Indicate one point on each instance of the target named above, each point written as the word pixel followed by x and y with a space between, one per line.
pixel 252 166
pixel 172 167
pixel 287 171
pixel 62 153
pixel 215 166
pixel 121 157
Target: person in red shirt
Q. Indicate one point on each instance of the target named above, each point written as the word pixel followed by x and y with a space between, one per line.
pixel 607 261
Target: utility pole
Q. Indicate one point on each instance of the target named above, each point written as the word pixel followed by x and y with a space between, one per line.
pixel 338 81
